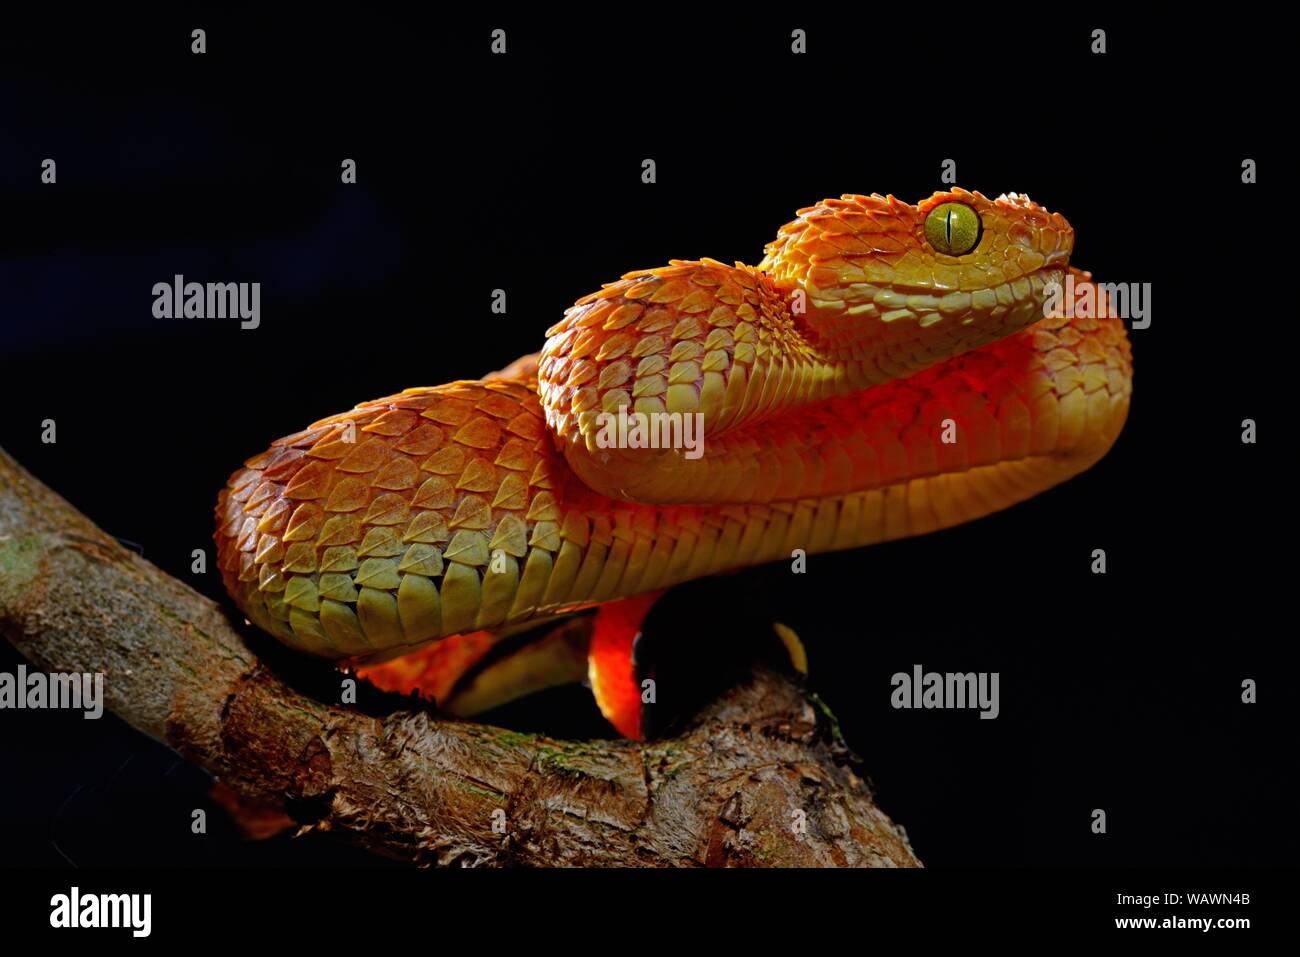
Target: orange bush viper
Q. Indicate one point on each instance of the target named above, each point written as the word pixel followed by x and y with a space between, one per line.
pixel 887 370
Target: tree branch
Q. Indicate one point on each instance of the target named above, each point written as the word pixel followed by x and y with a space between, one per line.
pixel 390 776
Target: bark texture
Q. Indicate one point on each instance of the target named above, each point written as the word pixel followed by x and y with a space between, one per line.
pixel 760 779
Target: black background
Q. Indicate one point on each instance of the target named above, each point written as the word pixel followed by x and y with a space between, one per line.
pixel 522 172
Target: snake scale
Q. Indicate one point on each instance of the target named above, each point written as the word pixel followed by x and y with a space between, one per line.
pixel 885 371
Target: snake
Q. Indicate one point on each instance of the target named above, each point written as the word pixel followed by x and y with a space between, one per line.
pixel 887 370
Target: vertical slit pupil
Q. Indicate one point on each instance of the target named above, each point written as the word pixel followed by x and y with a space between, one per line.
pixel 947 227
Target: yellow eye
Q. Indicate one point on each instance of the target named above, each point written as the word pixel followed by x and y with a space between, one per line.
pixel 953 229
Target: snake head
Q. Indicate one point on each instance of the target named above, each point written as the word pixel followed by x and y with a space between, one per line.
pixel 902 286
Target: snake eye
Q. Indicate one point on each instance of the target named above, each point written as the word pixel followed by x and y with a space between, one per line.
pixel 953 229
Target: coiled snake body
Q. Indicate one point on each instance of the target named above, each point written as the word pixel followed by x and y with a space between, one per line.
pixel 885 371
